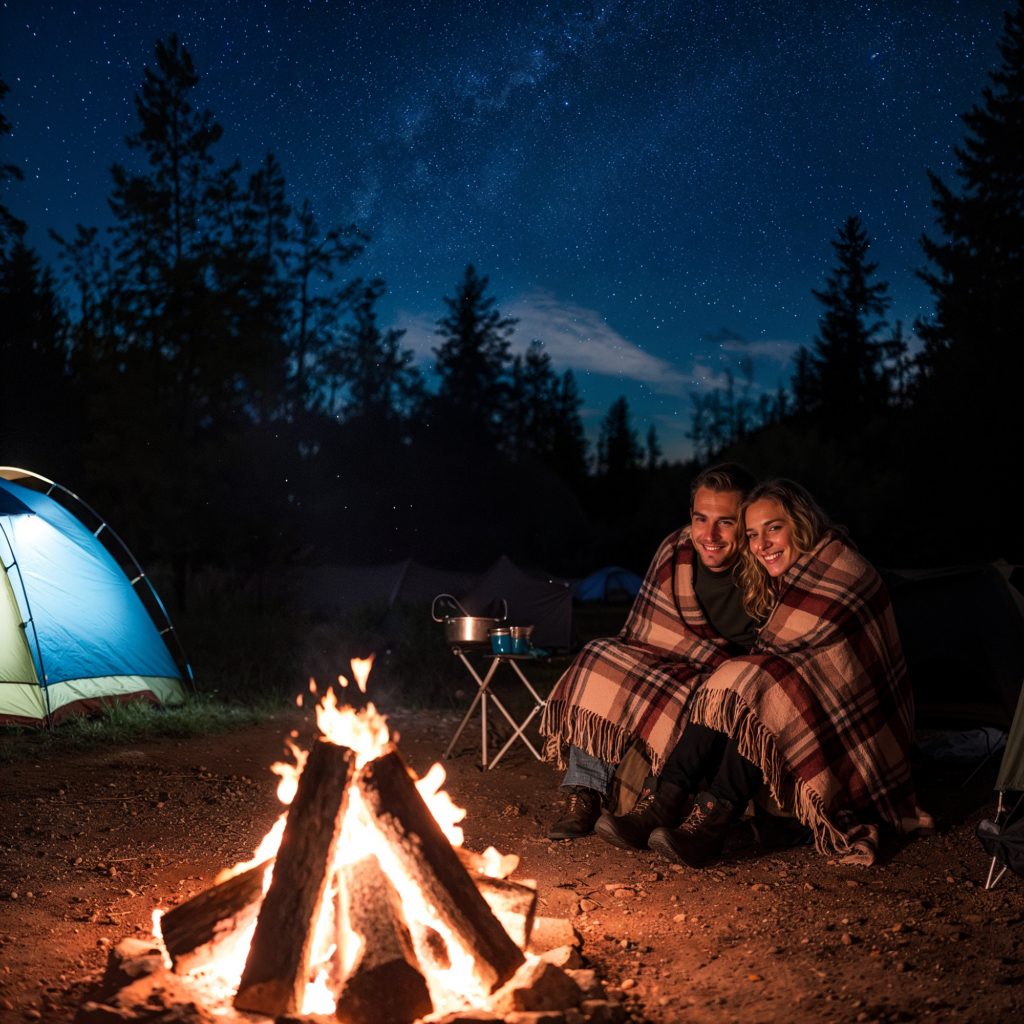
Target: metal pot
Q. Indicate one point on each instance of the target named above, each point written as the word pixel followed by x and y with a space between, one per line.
pixel 466 630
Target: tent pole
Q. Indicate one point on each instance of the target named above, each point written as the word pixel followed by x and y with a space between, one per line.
pixel 31 621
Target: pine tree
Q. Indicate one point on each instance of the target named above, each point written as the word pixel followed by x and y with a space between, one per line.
pixel 370 364
pixel 974 338
pixel 569 448
pixel 11 228
pixel 473 358
pixel 843 375
pixel 618 447
pixel 654 451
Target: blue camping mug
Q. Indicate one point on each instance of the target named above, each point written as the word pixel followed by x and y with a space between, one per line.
pixel 521 639
pixel 501 640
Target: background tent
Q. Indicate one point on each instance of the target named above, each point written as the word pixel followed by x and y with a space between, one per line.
pixel 612 583
pixel 72 629
pixel 534 598
pixel 339 589
pixel 962 630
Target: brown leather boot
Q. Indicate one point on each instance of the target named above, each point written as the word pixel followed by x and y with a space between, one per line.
pixel 702 836
pixel 664 808
pixel 583 808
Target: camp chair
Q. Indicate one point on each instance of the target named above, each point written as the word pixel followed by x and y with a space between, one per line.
pixel 1003 836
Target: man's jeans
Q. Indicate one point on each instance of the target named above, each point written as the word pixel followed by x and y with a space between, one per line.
pixel 587 770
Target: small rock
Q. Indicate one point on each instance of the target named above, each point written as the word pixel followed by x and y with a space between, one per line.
pixel 14 896
pixel 852 883
pixel 624 894
pixel 628 984
pixel 676 867
pixel 6 1004
pixel 902 965
pixel 624 943
pixel 679 918
pixel 535 1017
pixel 899 927
pixel 653 876
pixel 846 939
pixel 32 1014
pixel 863 1016
pixel 589 983
pixel 460 1017
pixel 586 906
pixel 754 977
pixel 603 1011
pixel 950 879
pixel 760 887
pixel 774 949
pixel 551 932
pixel 809 886
pixel 564 957
pixel 538 986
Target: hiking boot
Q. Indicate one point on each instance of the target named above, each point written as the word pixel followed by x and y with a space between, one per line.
pixel 583 808
pixel 664 808
pixel 701 837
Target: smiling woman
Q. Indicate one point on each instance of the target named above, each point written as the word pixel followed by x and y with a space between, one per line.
pixel 782 521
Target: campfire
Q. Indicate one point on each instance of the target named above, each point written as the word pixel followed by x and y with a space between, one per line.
pixel 362 903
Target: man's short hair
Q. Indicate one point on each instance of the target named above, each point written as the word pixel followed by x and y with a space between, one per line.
pixel 728 476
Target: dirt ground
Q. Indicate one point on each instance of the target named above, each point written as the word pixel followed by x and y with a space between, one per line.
pixel 90 843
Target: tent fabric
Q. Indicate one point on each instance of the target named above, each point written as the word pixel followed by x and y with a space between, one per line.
pixel 1011 769
pixel 534 599
pixel 69 618
pixel 608 584
pixel 962 630
pixel 339 590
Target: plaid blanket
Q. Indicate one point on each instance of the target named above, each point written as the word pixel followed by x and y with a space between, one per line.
pixel 823 703
pixel 633 693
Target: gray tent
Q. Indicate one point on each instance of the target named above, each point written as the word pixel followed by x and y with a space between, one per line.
pixel 962 630
pixel 534 598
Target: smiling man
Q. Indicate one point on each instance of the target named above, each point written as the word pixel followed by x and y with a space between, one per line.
pixel 630 695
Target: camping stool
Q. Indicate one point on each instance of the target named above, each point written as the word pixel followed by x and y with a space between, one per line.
pixel 484 694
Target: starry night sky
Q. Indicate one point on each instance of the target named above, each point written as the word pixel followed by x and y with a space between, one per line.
pixel 650 186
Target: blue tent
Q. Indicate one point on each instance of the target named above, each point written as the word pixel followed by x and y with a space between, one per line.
pixel 612 583
pixel 73 632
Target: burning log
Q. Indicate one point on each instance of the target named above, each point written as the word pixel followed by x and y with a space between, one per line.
pixel 275 974
pixel 426 856
pixel 209 925
pixel 512 904
pixel 384 985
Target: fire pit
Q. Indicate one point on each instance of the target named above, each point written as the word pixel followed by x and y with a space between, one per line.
pixel 360 904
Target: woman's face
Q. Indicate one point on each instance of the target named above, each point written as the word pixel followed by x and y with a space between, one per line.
pixel 770 535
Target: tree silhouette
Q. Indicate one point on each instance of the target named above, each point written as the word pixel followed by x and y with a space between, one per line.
pixel 978 276
pixel 381 381
pixel 473 358
pixel 10 226
pixel 618 447
pixel 843 374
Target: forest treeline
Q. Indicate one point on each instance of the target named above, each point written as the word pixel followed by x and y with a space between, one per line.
pixel 211 372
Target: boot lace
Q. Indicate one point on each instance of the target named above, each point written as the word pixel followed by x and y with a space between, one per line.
pixel 695 819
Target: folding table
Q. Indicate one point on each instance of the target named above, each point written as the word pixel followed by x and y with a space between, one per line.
pixel 484 694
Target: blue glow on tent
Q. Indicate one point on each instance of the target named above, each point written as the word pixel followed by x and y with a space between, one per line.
pixel 89 621
pixel 613 578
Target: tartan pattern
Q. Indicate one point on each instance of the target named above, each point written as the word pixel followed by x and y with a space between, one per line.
pixel 636 689
pixel 823 703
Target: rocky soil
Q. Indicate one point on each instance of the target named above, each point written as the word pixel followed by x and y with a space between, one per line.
pixel 91 843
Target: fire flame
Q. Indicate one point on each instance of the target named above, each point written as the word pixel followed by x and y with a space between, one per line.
pixel 366 733
pixel 361 670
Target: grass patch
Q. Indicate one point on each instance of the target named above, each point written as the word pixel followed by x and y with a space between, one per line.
pixel 123 724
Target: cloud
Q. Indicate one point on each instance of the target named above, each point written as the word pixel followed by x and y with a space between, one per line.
pixel 574 337
pixel 729 341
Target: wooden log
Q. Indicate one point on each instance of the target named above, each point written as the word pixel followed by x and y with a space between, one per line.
pixel 384 984
pixel 209 925
pixel 497 865
pixel 276 972
pixel 398 811
pixel 514 905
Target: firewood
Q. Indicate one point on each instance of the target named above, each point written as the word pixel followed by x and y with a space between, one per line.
pixel 209 925
pixel 385 984
pixel 512 904
pixel 398 811
pixel 275 974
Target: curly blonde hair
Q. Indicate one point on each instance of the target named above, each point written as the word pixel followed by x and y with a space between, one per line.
pixel 808 523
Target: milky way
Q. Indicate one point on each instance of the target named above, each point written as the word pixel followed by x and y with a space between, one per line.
pixel 650 186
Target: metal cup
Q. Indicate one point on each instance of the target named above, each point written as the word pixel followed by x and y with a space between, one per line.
pixel 501 640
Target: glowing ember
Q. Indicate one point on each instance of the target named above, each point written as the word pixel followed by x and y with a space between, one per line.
pixel 361 671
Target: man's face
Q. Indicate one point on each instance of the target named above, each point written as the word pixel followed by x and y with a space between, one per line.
pixel 714 525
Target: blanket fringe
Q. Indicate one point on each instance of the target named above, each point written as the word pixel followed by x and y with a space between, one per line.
pixel 724 711
pixel 574 727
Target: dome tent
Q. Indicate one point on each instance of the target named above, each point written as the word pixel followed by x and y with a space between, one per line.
pixel 613 583
pixel 73 631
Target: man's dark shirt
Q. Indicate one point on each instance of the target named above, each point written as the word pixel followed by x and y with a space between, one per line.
pixel 722 603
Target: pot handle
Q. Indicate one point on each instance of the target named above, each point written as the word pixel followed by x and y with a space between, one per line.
pixel 504 605
pixel 454 601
